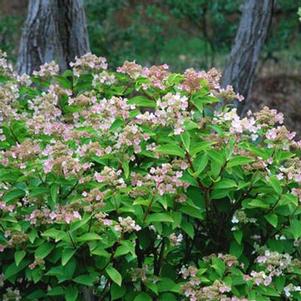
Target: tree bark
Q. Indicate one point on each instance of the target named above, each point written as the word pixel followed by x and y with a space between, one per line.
pixel 54 30
pixel 250 37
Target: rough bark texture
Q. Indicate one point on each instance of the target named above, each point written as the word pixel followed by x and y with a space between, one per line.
pixel 250 37
pixel 54 30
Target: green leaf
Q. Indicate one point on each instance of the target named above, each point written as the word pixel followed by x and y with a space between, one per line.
pixel 80 223
pixel 188 228
pixel 14 194
pixel 254 203
pixel 126 168
pixel 168 285
pixel 64 82
pixel 272 219
pixel 121 250
pixel 295 228
pixel 143 297
pixel 276 184
pixel 190 125
pixel 43 250
pixel 167 297
pixel 36 295
pixel 71 293
pixel 55 234
pixel 67 255
pixel 88 237
pixel 239 160
pixel 13 269
pixel 216 156
pixel 54 193
pixel 100 251
pixel 19 255
pixel 238 236
pixel 38 191
pixel 193 211
pixel 117 291
pixel 200 163
pixel 236 249
pixel 141 101
pixel 225 184
pixel 33 234
pixel 152 286
pixel 87 280
pixel 219 266
pixel 159 217
pixel 56 291
pixel 114 275
pixel 118 123
pixel 199 147
pixel 185 137
pixel 170 149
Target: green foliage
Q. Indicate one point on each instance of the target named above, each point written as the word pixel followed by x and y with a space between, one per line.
pixel 10 34
pixel 197 33
pixel 183 33
pixel 133 185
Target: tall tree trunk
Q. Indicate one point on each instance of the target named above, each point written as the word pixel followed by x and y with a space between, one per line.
pixel 54 30
pixel 250 37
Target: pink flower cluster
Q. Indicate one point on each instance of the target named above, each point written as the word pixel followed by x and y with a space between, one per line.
pixel 132 69
pixel 165 179
pixel 280 135
pixel 193 80
pixel 103 78
pixel 156 75
pixel 176 239
pixel 88 62
pixel 46 105
pixel 110 177
pixel 36 263
pixel 268 117
pixel 297 192
pixel 9 94
pixel 172 111
pixel 62 160
pixel 5 67
pixel 131 135
pixel 94 198
pixel 6 208
pixel 21 152
pixel 83 99
pixel 216 291
pixel 60 215
pixel 12 295
pixel 102 115
pixel 47 70
pixel 291 170
pixel 238 125
pixel 274 264
pixel 126 225
pixel 92 148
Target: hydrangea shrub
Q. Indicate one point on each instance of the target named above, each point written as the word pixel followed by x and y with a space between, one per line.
pixel 141 184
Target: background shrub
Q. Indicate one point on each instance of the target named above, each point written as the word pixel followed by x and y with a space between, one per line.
pixel 137 184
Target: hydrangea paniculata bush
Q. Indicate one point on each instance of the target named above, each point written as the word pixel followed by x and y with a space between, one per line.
pixel 136 184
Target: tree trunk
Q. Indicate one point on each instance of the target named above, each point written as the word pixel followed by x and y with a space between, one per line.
pixel 54 30
pixel 250 37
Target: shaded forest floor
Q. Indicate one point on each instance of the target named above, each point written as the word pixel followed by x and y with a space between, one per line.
pixel 282 91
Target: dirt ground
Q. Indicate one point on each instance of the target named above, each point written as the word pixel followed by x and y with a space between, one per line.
pixel 282 92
